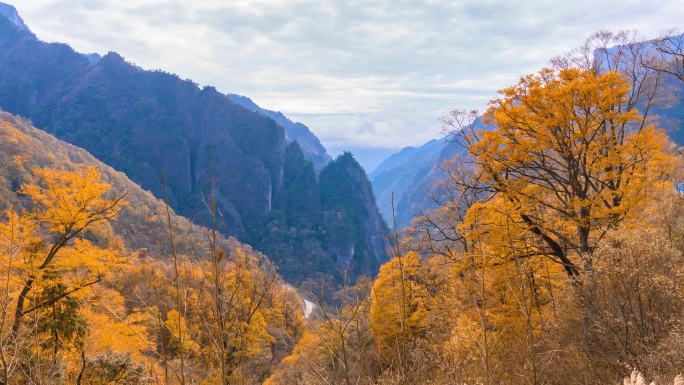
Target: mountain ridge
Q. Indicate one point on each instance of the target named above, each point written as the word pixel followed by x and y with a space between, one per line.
pixel 10 12
pixel 309 143
pixel 396 173
pixel 144 122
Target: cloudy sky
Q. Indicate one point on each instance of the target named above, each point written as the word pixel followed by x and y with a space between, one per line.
pixel 359 73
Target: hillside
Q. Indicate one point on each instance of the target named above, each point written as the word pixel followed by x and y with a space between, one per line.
pixel 413 197
pixel 143 122
pixel 24 148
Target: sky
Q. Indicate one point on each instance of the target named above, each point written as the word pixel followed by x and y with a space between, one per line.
pixel 371 75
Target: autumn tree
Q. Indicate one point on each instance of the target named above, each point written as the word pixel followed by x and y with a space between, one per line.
pixel 398 310
pixel 636 300
pixel 561 162
pixel 68 203
pixel 630 54
pixel 17 235
pixel 45 263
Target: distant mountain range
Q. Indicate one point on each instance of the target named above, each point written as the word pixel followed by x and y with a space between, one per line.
pixel 407 174
pixel 396 173
pixel 142 122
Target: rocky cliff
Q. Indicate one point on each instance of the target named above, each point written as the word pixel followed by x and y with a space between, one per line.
pixel 349 207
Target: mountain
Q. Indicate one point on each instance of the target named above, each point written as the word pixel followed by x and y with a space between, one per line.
pixel 413 196
pixel 395 174
pixel 143 265
pixel 368 157
pixel 309 143
pixel 93 57
pixel 24 147
pixel 432 147
pixel 11 13
pixel 143 123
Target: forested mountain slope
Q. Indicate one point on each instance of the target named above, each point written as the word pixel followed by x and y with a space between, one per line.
pixel 309 143
pixel 24 148
pixel 143 122
pixel 413 197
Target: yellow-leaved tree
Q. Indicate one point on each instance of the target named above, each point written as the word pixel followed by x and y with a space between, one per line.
pixel 398 309
pixel 564 162
pixel 67 204
pixel 44 262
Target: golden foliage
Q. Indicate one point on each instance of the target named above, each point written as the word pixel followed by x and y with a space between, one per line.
pixel 563 163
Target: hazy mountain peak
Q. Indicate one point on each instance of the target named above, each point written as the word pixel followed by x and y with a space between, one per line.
pixel 11 13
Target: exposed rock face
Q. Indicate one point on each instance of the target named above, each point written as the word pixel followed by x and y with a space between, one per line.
pixel 300 195
pixel 309 143
pixel 145 122
pixel 349 205
pixel 11 13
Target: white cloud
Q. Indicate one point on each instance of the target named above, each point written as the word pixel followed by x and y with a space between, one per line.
pixel 360 73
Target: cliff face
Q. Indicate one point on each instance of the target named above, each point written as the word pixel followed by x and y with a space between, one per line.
pixel 143 122
pixel 349 207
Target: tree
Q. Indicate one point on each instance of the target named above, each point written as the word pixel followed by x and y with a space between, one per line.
pixel 16 237
pixel 635 297
pixel 398 309
pixel 114 368
pixel 60 321
pixel 564 162
pixel 69 202
pixel 670 49
pixel 630 54
pixel 44 264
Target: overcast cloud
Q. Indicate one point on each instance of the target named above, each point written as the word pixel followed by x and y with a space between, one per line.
pixel 368 73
